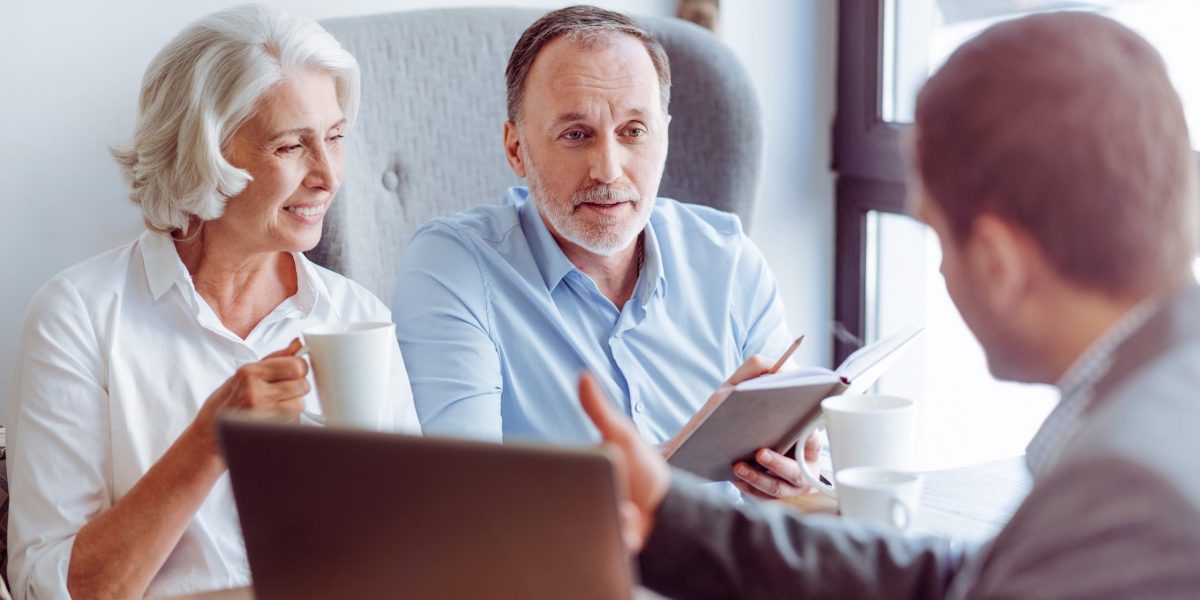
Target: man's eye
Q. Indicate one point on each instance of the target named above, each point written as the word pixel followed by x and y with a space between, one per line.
pixel 573 135
pixel 636 132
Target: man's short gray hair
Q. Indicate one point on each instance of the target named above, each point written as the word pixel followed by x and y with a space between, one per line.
pixel 586 25
pixel 200 89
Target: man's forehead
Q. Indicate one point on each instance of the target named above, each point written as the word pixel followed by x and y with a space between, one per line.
pixel 621 60
pixel 573 116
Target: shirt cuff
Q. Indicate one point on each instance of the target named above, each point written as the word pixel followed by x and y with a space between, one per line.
pixel 45 572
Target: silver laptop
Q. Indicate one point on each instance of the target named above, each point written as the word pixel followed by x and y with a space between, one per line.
pixel 335 513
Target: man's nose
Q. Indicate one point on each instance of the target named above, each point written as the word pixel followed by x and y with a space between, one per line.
pixel 606 160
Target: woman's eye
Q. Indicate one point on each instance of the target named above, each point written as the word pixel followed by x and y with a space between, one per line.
pixel 334 140
pixel 290 149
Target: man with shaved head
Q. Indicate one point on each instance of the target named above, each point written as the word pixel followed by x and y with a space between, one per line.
pixel 1052 160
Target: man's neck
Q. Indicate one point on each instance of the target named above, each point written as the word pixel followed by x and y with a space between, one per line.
pixel 1077 323
pixel 615 275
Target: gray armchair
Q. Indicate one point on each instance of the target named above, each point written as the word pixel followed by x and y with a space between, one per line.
pixel 428 138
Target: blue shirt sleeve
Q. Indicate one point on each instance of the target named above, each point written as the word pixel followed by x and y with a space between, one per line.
pixel 758 310
pixel 443 324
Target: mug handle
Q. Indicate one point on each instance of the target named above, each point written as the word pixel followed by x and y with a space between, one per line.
pixel 901 517
pixel 320 419
pixel 811 478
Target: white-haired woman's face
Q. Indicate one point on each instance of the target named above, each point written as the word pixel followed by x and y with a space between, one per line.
pixel 292 148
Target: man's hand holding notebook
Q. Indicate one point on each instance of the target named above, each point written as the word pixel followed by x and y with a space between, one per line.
pixel 770 411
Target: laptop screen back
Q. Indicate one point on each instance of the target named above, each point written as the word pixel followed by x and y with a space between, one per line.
pixel 330 513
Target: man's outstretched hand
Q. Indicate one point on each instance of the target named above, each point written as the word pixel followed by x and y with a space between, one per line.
pixel 642 475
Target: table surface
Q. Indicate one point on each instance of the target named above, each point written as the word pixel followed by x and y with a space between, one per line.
pixel 969 503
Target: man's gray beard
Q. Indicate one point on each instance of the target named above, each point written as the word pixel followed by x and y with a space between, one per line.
pixel 605 238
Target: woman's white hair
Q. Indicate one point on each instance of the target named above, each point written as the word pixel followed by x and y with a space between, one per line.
pixel 200 89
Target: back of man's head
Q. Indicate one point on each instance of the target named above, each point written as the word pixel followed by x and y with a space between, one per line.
pixel 1065 125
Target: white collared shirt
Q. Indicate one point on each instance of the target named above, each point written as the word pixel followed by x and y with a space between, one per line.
pixel 117 356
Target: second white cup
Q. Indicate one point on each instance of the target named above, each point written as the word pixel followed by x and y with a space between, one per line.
pixel 879 495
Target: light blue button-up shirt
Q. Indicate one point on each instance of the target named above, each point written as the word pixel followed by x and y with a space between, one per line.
pixel 496 324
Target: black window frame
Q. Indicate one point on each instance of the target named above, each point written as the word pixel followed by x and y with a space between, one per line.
pixel 868 163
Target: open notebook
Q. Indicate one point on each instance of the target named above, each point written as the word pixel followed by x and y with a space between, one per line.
pixel 771 411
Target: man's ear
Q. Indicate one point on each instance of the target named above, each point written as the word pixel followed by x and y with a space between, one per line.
pixel 512 148
pixel 1001 257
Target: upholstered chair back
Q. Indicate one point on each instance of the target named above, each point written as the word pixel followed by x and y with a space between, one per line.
pixel 428 141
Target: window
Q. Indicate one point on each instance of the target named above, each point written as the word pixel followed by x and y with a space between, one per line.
pixel 887 263
pixel 965 416
pixel 919 35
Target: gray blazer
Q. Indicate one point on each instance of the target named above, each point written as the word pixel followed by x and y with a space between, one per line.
pixel 1118 516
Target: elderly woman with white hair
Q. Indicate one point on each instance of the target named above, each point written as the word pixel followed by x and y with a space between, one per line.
pixel 118 488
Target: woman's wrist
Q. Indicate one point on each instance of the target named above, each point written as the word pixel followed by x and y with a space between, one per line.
pixel 197 446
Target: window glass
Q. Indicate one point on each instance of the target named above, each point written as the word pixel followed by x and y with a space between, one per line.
pixel 918 36
pixel 964 415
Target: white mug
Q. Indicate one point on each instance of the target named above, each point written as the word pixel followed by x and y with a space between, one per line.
pixel 351 363
pixel 864 431
pixel 879 495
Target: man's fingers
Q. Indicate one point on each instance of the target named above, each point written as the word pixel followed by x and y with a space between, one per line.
pixel 631 526
pixel 599 409
pixel 812 448
pixel 782 466
pixel 753 367
pixel 769 485
pixel 751 491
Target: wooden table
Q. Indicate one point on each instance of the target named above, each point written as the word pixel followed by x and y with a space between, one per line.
pixel 969 504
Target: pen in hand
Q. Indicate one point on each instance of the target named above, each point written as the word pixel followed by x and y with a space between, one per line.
pixel 786 355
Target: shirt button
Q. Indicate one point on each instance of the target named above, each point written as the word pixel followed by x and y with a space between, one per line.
pixel 640 407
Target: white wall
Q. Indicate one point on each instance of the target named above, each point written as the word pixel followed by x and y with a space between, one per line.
pixel 789 47
pixel 69 76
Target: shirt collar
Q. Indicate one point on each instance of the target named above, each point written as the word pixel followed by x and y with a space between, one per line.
pixel 652 279
pixel 309 285
pixel 1094 361
pixel 1076 389
pixel 164 269
pixel 553 263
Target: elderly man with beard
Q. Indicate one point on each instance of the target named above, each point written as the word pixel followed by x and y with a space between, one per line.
pixel 500 308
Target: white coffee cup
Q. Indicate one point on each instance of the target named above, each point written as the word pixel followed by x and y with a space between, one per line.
pixel 879 495
pixel 864 431
pixel 351 363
